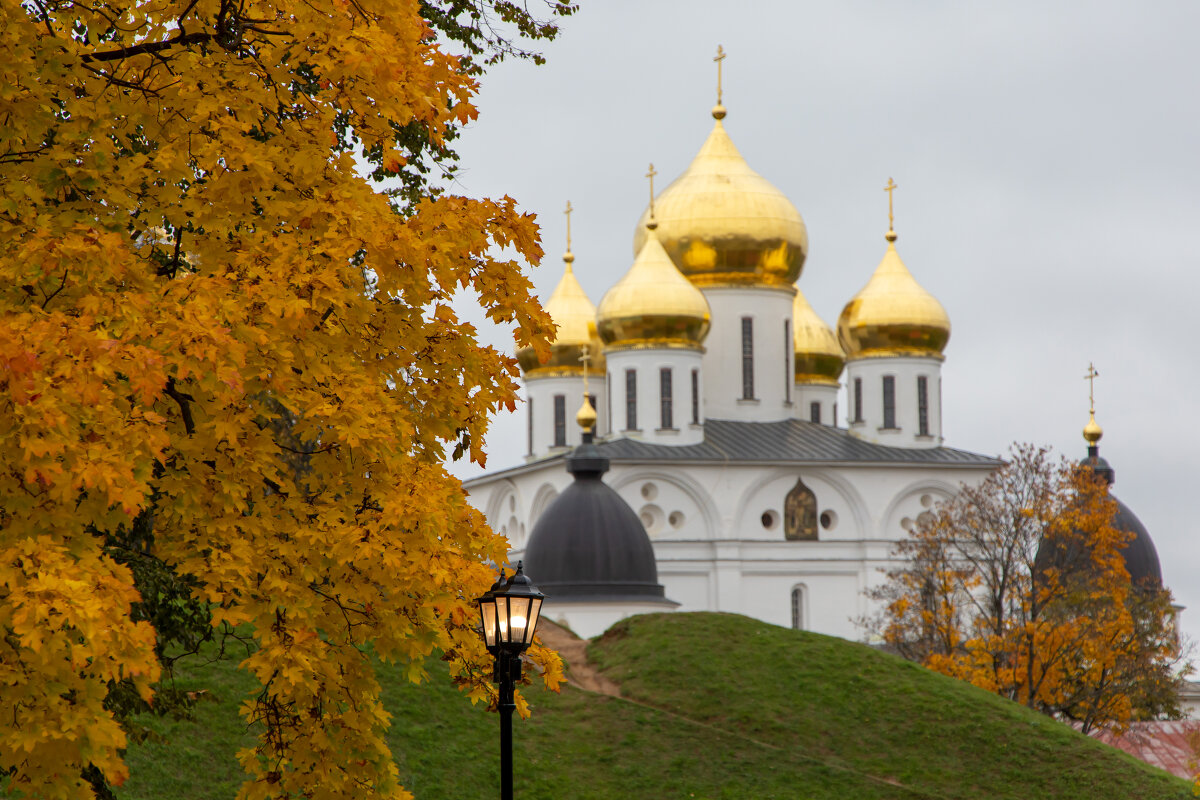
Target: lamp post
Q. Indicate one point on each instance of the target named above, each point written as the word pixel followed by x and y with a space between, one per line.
pixel 509 611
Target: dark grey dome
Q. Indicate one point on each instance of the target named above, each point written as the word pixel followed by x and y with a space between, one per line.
pixel 589 544
pixel 1141 557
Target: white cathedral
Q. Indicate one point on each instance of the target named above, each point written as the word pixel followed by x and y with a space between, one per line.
pixel 716 390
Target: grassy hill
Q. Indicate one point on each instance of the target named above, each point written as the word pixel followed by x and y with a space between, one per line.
pixel 714 706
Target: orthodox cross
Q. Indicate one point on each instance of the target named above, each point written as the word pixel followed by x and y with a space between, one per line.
pixel 568 213
pixel 891 187
pixel 719 58
pixel 651 175
pixel 585 358
pixel 1091 379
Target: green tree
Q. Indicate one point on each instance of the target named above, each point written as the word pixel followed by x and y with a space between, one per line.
pixel 1018 585
pixel 231 368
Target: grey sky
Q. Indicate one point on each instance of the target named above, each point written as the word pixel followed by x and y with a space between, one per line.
pixel 1048 159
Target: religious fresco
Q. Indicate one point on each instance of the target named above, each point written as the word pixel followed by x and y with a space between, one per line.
pixel 800 513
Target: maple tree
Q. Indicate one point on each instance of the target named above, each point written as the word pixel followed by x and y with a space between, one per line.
pixel 1018 585
pixel 231 367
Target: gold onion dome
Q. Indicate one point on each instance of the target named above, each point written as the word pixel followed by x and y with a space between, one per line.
pixel 818 356
pixel 723 223
pixel 892 315
pixel 653 305
pixel 1092 431
pixel 575 317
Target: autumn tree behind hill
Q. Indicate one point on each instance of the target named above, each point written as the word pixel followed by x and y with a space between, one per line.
pixel 230 369
pixel 1018 585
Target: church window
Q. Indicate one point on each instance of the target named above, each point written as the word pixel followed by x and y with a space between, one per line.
pixel 833 422
pixel 800 513
pixel 631 400
pixel 857 400
pixel 664 382
pixel 788 378
pixel 747 358
pixel 922 406
pixel 560 420
pixel 889 401
pixel 529 423
pixel 814 412
pixel 798 608
pixel 608 399
pixel 695 397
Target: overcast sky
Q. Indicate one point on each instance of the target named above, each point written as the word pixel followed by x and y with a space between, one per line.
pixel 1048 163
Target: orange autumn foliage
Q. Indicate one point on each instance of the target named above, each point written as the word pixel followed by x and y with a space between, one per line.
pixel 1018 586
pixel 214 327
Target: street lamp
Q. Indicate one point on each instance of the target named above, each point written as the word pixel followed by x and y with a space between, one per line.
pixel 509 612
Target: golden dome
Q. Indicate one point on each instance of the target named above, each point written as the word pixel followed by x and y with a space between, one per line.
pixel 586 416
pixel 653 305
pixel 818 356
pixel 892 315
pixel 722 222
pixel 1092 431
pixel 575 317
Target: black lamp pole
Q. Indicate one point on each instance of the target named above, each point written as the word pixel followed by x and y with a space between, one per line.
pixel 509 612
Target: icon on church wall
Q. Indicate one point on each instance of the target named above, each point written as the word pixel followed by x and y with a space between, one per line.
pixel 800 513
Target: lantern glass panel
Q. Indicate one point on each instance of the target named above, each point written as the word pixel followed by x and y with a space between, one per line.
pixel 534 610
pixel 502 618
pixel 518 615
pixel 487 610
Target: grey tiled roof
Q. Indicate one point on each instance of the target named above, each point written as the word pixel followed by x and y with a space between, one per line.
pixel 787 441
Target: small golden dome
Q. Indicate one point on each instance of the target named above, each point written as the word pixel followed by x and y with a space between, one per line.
pixel 1092 431
pixel 892 315
pixel 575 317
pixel 722 222
pixel 653 305
pixel 586 417
pixel 818 356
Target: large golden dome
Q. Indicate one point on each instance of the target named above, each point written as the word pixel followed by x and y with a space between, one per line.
pixel 575 317
pixel 818 356
pixel 653 305
pixel 722 222
pixel 892 315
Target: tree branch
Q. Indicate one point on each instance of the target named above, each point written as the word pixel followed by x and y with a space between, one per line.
pixel 185 405
pixel 148 47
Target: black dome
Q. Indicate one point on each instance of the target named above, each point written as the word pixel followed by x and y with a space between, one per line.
pixel 1141 558
pixel 589 544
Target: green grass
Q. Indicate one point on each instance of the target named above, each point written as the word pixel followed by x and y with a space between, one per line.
pixel 715 706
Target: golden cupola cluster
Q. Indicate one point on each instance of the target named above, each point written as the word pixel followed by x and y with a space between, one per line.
pixel 575 317
pixel 723 223
pixel 653 306
pixel 893 315
pixel 818 356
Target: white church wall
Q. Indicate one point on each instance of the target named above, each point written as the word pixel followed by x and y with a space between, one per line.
pixel 869 424
pixel 648 365
pixel 768 310
pixel 825 397
pixel 540 415
pixel 671 504
pixel 721 558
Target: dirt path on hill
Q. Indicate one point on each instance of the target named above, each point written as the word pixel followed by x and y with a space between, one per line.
pixel 573 650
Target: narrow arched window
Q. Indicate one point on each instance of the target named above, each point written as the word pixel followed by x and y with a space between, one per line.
pixel 747 358
pixel 798 608
pixel 889 401
pixel 665 400
pixel 560 420
pixel 631 400
pixel 922 406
